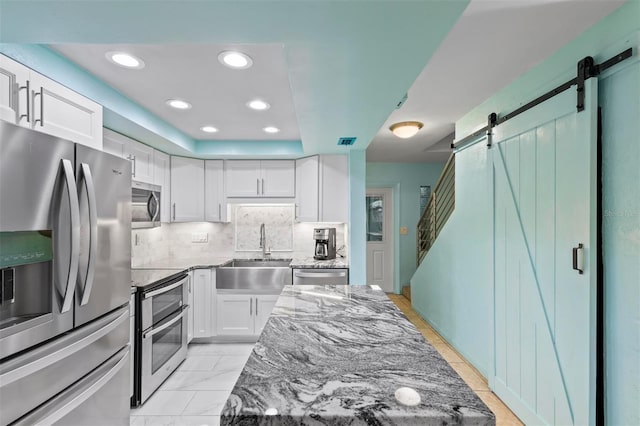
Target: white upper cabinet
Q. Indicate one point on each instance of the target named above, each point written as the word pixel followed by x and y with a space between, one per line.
pixel 162 177
pixel 32 100
pixel 141 156
pixel 334 188
pixel 278 178
pixel 142 161
pixel 114 143
pixel 242 178
pixel 14 94
pixel 255 178
pixel 187 189
pixel 215 207
pixel 307 189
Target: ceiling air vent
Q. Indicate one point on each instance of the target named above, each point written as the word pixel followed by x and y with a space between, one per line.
pixel 347 141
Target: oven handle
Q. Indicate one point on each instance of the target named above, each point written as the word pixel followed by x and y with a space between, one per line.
pixel 165 289
pixel 167 324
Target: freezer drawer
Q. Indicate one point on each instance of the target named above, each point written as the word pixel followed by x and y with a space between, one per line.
pixel 34 377
pixel 95 400
pixel 321 276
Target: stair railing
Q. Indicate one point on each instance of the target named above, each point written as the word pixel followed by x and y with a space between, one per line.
pixel 439 208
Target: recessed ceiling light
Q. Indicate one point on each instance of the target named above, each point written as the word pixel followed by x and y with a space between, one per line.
pixel 271 129
pixel 258 105
pixel 124 59
pixel 208 129
pixel 235 60
pixel 178 104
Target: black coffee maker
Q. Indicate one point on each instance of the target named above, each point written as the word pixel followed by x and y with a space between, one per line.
pixel 325 243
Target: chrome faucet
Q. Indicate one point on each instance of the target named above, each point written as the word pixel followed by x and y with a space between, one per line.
pixel 263 242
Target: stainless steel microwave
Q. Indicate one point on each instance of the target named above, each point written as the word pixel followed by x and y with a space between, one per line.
pixel 145 205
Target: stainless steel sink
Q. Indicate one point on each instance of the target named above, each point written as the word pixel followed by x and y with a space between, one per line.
pixel 262 275
pixel 266 263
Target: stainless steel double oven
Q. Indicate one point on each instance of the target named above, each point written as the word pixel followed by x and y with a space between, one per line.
pixel 161 331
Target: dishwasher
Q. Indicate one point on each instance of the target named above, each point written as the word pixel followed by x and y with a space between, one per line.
pixel 320 276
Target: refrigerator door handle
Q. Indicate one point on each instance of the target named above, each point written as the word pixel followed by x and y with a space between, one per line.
pixel 87 285
pixel 74 208
pixel 57 409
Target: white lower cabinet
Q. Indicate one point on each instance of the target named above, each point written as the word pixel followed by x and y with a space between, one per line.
pixel 203 302
pixel 243 314
pixel 264 305
pixel 191 307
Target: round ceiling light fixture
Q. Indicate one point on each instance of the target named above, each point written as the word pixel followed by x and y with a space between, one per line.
pixel 209 129
pixel 406 129
pixel 235 60
pixel 126 60
pixel 271 129
pixel 178 104
pixel 258 105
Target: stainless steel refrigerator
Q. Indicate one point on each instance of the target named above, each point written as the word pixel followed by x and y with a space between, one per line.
pixel 65 232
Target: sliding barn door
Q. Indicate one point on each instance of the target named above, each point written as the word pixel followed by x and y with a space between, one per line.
pixel 544 165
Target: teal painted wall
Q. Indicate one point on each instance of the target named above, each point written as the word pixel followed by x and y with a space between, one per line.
pixel 620 100
pixel 452 288
pixel 405 179
pixel 357 218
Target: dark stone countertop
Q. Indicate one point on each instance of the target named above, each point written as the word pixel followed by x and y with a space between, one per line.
pixel 336 355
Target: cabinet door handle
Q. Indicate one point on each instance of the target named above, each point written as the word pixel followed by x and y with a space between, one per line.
pixel 174 211
pixel 256 306
pixel 578 258
pixel 250 306
pixel 262 186
pixel 41 119
pixel 219 212
pixel 257 186
pixel 132 158
pixel 28 114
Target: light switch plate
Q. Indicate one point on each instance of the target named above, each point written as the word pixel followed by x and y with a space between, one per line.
pixel 404 230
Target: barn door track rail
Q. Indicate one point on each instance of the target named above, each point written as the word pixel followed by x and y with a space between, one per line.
pixel 586 67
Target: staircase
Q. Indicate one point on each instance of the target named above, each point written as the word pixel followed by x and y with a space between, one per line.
pixel 439 208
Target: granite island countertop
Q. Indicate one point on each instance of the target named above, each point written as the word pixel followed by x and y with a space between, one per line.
pixel 336 355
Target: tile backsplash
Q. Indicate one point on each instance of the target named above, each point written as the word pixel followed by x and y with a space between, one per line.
pixel 239 238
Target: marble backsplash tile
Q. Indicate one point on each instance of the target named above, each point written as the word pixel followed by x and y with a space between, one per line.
pixel 239 238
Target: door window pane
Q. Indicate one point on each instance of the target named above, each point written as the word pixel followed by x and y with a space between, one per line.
pixel 374 218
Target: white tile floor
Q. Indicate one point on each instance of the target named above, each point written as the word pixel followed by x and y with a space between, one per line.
pixel 196 392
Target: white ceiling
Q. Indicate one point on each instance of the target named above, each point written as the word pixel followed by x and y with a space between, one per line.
pixel 192 72
pixel 337 72
pixel 491 44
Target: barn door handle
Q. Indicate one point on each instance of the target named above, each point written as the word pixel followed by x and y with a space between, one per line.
pixel 578 258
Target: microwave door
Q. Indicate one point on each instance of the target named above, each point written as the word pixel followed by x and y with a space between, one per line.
pixel 38 235
pixel 104 276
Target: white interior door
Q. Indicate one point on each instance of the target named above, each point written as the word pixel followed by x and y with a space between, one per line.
pixel 380 238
